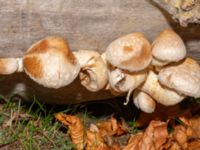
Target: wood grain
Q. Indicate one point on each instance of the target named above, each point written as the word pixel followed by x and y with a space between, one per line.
pixel 86 24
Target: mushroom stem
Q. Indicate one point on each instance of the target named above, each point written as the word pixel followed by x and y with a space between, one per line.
pixel 20 65
pixel 130 91
pixel 160 93
pixel 123 81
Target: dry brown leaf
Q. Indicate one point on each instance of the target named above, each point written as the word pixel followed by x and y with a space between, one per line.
pixel 152 139
pixel 194 124
pixel 185 135
pixel 107 139
pixel 112 127
pixel 180 136
pixel 174 146
pixel 194 145
pixel 102 138
pixel 115 146
pixel 76 129
pixel 162 113
pixel 133 142
pixel 95 141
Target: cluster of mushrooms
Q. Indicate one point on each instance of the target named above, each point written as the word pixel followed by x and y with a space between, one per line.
pixel 157 72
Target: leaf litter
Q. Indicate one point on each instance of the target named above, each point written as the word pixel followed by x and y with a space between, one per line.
pixel 173 128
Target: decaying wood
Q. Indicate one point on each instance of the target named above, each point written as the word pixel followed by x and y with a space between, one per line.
pixel 185 11
pixel 86 24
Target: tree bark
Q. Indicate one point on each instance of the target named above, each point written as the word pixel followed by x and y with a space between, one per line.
pixel 86 24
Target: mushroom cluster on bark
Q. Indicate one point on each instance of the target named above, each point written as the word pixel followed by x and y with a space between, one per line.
pixel 149 73
pixel 157 72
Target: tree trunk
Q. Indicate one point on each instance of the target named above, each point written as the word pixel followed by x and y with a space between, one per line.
pixel 86 24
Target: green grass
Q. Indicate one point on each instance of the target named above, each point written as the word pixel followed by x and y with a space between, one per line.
pixel 24 126
pixel 33 126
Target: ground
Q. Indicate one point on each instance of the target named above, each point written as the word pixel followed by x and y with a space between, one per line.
pixel 33 125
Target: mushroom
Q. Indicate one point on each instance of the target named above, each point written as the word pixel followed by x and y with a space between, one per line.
pixel 167 47
pixel 10 65
pixel 131 52
pixel 93 74
pixel 50 63
pixel 127 58
pixel 143 101
pixel 160 93
pixel 184 77
pixel 123 81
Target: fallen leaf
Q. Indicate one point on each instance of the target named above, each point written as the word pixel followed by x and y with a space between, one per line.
pixel 180 136
pixel 95 141
pixel 133 142
pixel 152 139
pixel 194 124
pixel 171 146
pixel 185 135
pixel 194 145
pixel 161 113
pixel 76 129
pixel 112 127
pixel 115 146
pixel 101 137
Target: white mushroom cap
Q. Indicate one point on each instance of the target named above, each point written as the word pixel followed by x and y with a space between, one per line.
pixel 161 94
pixel 50 63
pixel 184 77
pixel 10 65
pixel 103 56
pixel 131 52
pixel 158 63
pixel 168 47
pixel 93 74
pixel 123 81
pixel 143 101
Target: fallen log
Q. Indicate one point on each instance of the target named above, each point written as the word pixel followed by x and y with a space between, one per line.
pixel 86 25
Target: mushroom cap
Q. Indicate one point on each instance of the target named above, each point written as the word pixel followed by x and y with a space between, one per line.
pixel 168 47
pixel 184 77
pixel 8 65
pixel 123 81
pixel 143 101
pixel 160 93
pixel 158 63
pixel 103 56
pixel 93 74
pixel 50 63
pixel 131 52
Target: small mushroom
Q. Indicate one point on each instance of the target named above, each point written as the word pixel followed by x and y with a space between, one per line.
pixel 167 47
pixel 50 63
pixel 160 93
pixel 10 65
pixel 131 52
pixel 127 58
pixel 184 77
pixel 123 81
pixel 143 101
pixel 93 74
